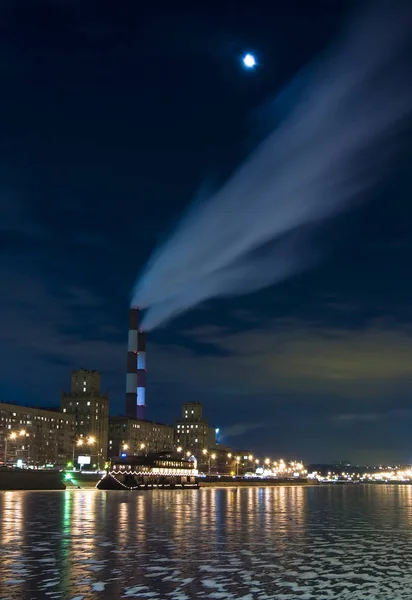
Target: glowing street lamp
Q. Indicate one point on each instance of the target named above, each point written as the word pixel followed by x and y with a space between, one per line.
pixel 13 436
pixel 82 442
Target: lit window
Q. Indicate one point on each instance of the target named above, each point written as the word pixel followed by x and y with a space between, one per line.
pixel 64 410
pixel 88 404
pixel 84 389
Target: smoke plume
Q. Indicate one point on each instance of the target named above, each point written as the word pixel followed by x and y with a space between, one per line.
pixel 329 149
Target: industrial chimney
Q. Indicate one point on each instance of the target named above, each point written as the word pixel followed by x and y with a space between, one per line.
pixel 131 377
pixel 141 374
pixel 136 368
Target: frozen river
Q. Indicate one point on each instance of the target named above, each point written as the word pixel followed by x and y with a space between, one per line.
pixel 280 543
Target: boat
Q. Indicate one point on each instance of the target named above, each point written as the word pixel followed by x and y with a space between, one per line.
pixel 160 470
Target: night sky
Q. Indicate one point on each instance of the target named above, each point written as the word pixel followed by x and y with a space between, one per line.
pixel 113 114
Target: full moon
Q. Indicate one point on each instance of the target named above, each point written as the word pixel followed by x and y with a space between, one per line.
pixel 249 61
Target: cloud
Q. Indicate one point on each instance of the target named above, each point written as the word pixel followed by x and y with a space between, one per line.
pixel 295 356
pixel 239 429
pixel 48 332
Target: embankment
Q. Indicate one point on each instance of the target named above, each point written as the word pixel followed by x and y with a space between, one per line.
pixel 255 483
pixel 11 479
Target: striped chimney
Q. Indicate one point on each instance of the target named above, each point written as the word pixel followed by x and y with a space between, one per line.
pixel 131 377
pixel 141 374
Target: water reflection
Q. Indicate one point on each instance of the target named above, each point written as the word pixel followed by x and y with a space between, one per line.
pixel 222 543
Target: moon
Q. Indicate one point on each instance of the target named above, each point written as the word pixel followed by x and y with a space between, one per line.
pixel 249 61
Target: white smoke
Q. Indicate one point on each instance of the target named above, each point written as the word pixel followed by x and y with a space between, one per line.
pixel 328 150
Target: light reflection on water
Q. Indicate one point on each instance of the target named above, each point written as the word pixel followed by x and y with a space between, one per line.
pixel 349 542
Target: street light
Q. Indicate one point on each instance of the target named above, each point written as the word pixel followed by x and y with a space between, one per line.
pixel 80 442
pixel 13 436
pixel 210 456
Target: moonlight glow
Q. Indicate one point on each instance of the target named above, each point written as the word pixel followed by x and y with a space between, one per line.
pixel 249 61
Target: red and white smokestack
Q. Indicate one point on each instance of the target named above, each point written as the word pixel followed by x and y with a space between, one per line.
pixel 141 374
pixel 131 377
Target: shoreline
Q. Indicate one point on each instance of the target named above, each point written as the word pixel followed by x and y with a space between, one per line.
pixel 236 484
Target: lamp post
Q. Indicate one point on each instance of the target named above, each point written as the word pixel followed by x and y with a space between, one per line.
pixel 80 442
pixel 210 456
pixel 13 436
pixel 237 465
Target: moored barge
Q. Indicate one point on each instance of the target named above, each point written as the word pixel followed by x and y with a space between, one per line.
pixel 161 470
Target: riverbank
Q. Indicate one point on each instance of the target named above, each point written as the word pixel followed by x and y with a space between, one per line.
pixel 253 483
pixel 13 479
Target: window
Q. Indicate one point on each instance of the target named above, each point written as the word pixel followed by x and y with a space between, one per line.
pixel 84 389
pixel 64 410
pixel 88 404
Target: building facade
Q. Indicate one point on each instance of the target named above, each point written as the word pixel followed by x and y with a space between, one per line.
pixel 90 410
pixel 191 430
pixel 135 436
pixel 37 437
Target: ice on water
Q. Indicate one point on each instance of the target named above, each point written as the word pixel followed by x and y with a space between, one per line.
pixel 283 543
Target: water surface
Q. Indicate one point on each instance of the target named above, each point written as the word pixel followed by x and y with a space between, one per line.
pixel 280 543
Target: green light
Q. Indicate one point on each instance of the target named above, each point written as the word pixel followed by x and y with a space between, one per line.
pixel 69 464
pixel 68 476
